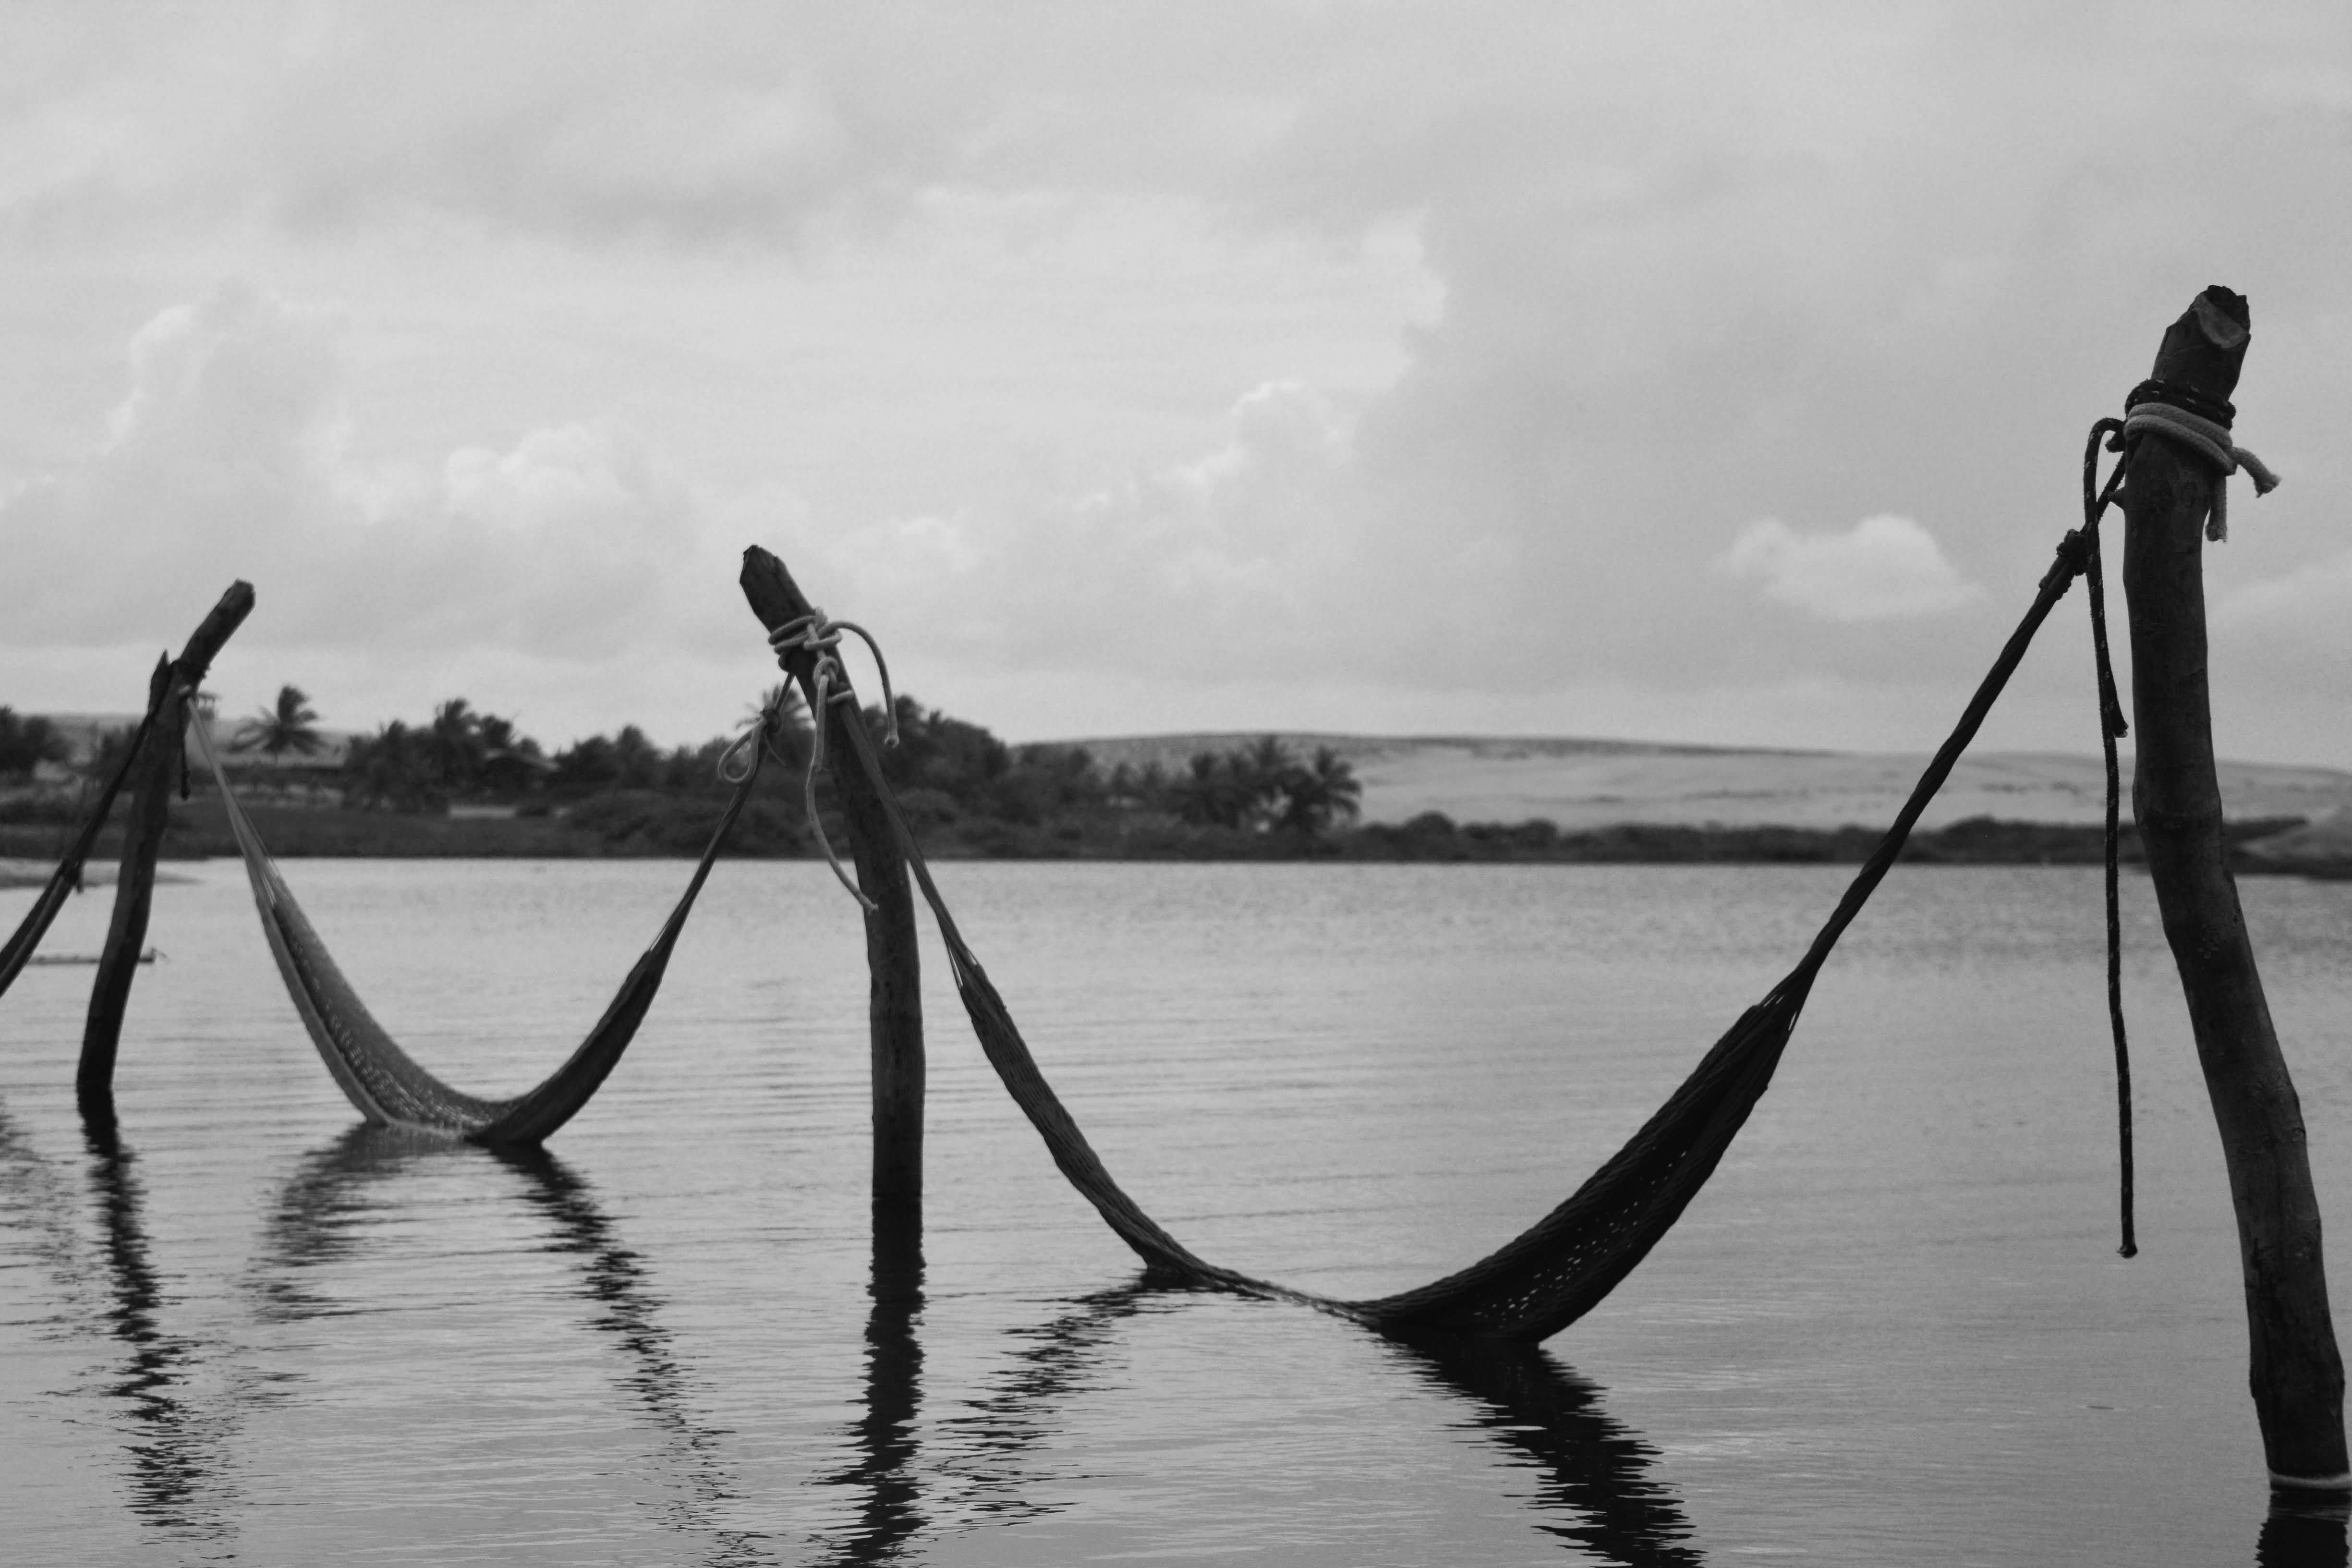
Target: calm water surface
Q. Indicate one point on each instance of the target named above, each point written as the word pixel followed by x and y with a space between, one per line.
pixel 1892 1327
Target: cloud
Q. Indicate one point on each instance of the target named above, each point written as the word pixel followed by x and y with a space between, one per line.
pixel 692 124
pixel 1228 555
pixel 2288 635
pixel 1884 568
pixel 1697 265
pixel 228 457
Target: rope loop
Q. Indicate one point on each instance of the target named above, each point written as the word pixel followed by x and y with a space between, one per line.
pixel 2082 544
pixel 2202 425
pixel 814 634
pixel 740 761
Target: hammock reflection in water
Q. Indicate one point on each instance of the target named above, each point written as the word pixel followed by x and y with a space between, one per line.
pixel 322 1212
pixel 1596 1490
pixel 1596 1484
pixel 996 1459
pixel 173 1445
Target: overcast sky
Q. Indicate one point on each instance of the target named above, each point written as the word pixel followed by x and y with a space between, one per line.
pixel 1691 372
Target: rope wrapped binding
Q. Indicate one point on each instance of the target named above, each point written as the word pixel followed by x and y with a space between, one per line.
pixel 2201 424
pixel 813 632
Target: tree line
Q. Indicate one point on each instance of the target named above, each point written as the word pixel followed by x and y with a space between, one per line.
pixel 26 742
pixel 946 770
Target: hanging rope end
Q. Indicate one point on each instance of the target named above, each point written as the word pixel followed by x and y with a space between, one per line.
pixel 2256 470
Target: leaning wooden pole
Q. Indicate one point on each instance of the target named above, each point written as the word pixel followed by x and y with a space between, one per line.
pixel 2169 491
pixel 895 1008
pixel 143 837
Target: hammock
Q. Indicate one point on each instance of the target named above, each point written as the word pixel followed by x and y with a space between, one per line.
pixel 1561 1266
pixel 382 1081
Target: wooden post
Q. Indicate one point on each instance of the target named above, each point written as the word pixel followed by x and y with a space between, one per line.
pixel 2296 1374
pixel 143 836
pixel 896 999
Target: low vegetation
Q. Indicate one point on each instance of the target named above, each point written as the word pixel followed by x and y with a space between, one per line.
pixel 25 743
pixel 469 782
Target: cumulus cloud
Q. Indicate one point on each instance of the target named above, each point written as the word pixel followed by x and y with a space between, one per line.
pixel 1231 555
pixel 1697 265
pixel 228 456
pixel 1883 568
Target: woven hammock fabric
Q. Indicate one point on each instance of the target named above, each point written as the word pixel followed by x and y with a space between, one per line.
pixel 384 1081
pixel 1557 1269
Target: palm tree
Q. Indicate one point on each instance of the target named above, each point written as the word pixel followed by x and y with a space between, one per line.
pixel 1321 792
pixel 454 743
pixel 1212 791
pixel 790 731
pixel 389 770
pixel 1264 769
pixel 290 724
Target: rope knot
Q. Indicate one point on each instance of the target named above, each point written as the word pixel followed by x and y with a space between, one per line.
pixel 2073 553
pixel 814 634
pixel 740 761
pixel 2202 425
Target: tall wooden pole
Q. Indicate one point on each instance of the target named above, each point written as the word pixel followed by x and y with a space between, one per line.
pixel 143 837
pixel 894 1007
pixel 2296 1374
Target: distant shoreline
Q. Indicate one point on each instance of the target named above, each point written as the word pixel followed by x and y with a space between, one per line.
pixel 27 853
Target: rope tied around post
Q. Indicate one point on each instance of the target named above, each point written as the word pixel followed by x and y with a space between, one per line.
pixel 2096 498
pixel 814 632
pixel 2200 424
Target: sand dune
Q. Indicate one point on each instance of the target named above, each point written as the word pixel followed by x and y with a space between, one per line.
pixel 1594 783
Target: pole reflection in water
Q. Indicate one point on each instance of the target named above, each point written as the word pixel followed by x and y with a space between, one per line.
pixel 889 1513
pixel 615 1279
pixel 2304 1533
pixel 174 1448
pixel 323 1209
pixel 1596 1473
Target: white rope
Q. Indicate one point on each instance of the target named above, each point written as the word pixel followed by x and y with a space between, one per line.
pixel 2210 440
pixel 813 632
pixel 740 761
